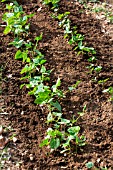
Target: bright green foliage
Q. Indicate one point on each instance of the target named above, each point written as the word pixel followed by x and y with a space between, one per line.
pixel 110 91
pixel 56 105
pixel 63 138
pixel 63 133
pixel 92 59
pixel 17 42
pixel 65 23
pixel 98 68
pixel 15 19
pixel 52 3
pixel 103 81
pixel 74 38
pixel 22 55
pixel 92 68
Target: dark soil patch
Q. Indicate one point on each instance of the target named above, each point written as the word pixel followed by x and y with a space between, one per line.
pixel 28 120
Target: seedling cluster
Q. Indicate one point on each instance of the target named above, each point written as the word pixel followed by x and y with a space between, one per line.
pixel 16 20
pixel 61 131
pixel 77 41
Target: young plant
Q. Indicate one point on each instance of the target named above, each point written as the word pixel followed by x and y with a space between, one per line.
pixel 65 23
pixel 74 86
pixel 110 91
pixel 94 68
pixel 103 81
pixel 74 38
pixel 62 138
pixel 63 133
pixel 98 69
pixel 92 59
pixel 52 3
pixel 16 20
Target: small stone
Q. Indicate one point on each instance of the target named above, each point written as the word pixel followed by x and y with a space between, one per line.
pixel 14 139
pixel 39 9
pixel 9 76
pixel 22 113
pixel 2 162
pixel 98 160
pixel 31 157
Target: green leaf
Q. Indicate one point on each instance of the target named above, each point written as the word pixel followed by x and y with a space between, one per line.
pixel 17 43
pixel 22 85
pixel 7 30
pixel 45 142
pixel 43 69
pixel 71 88
pixel 64 121
pixel 35 81
pixel 28 60
pixel 24 55
pixel 56 105
pixel 18 55
pixel 60 16
pixel 57 114
pixel 58 83
pixel 66 144
pixel 28 45
pixel 39 88
pixel 66 13
pixel 89 165
pixel 56 126
pixel 38 38
pixel 105 91
pixel 27 27
pixel 98 68
pixel 42 61
pixel 50 117
pixel 70 137
pixel 30 15
pixel 54 133
pixel 74 130
pixel 39 61
pixel 3 0
pixel 80 45
pixel 39 53
pixel 40 100
pixel 54 143
pixel 42 95
pixel 25 69
pixel 81 113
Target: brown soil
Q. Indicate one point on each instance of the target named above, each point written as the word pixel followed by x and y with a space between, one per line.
pixel 28 120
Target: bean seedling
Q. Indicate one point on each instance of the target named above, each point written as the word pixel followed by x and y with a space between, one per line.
pixel 110 91
pixel 16 20
pixel 52 3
